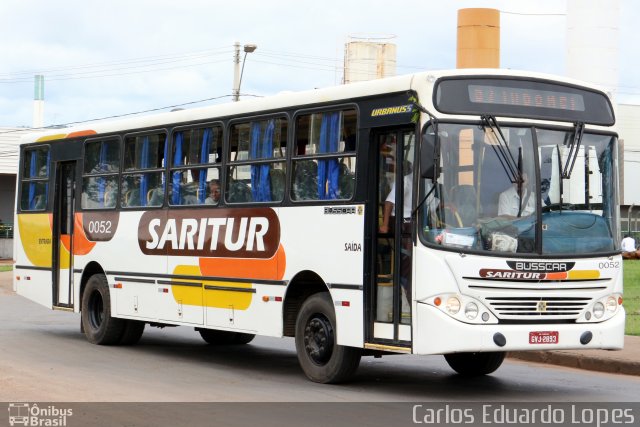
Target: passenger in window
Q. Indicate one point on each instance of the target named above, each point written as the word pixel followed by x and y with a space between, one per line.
pixel 214 193
pixel 509 203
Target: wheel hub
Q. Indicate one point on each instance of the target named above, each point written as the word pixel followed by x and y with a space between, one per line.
pixel 96 310
pixel 318 339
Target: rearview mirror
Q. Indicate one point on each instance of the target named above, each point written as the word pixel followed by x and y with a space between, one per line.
pixel 430 154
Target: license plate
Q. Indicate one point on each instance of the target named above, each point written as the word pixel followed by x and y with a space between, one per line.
pixel 543 337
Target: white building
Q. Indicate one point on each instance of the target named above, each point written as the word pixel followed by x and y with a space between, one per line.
pixel 628 120
pixel 9 143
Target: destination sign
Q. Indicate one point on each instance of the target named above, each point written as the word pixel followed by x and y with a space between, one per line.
pixel 488 94
pixel 509 96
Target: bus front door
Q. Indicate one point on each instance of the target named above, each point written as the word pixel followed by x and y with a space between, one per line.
pixel 63 217
pixel 391 297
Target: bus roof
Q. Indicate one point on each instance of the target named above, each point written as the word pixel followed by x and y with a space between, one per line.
pixel 283 100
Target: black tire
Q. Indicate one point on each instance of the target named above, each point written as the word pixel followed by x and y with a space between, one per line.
pixel 99 327
pixel 132 333
pixel 242 338
pixel 321 358
pixel 475 364
pixel 214 337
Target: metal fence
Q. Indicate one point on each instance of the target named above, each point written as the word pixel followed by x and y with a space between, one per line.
pixel 6 231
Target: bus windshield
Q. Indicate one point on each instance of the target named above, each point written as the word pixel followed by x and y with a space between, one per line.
pixel 525 190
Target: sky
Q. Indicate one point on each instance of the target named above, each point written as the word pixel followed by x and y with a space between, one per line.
pixel 110 58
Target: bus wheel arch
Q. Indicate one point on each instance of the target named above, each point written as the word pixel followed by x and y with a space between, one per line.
pixel 92 268
pixel 301 286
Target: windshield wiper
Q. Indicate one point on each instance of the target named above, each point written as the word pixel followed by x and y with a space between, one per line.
pixel 424 199
pixel 508 162
pixel 574 147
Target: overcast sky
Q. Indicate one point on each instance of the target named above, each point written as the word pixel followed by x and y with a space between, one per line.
pixel 115 57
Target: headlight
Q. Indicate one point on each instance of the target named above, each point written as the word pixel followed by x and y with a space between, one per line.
pixel 602 309
pixel 453 305
pixel 463 308
pixel 598 310
pixel 471 310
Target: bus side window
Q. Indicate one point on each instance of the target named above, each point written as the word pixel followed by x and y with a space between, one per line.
pixel 330 137
pixel 261 146
pixel 101 167
pixel 35 179
pixel 144 163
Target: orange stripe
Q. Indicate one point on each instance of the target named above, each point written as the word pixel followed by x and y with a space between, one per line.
pixel 556 276
pixel 81 245
pixel 81 133
pixel 246 268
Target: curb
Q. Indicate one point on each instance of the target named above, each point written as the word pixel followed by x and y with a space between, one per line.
pixel 580 361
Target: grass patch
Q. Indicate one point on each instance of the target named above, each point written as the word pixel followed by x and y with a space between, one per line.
pixel 632 296
pixel 6 267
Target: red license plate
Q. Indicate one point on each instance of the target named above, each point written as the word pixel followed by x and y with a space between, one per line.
pixel 543 337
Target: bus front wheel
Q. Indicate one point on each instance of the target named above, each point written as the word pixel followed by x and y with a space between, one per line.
pixel 98 325
pixel 475 364
pixel 321 358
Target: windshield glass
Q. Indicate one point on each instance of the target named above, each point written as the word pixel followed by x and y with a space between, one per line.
pixel 501 189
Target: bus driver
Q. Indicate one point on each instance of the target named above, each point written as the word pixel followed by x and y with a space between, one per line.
pixel 509 203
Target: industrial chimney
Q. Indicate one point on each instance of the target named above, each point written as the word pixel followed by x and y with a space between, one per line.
pixel 38 101
pixel 478 38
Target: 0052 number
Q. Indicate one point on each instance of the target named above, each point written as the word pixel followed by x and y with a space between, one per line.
pixel 609 264
pixel 100 227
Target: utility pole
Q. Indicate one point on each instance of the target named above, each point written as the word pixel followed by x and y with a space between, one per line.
pixel 236 71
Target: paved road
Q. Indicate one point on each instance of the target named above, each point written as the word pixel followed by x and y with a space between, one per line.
pixel 44 357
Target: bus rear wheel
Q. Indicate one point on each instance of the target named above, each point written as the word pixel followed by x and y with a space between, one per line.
pixel 475 364
pixel 98 325
pixel 319 355
pixel 214 337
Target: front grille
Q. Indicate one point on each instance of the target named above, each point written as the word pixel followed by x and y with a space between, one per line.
pixel 531 308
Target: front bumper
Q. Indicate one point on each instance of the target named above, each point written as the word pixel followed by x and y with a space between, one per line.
pixel 436 333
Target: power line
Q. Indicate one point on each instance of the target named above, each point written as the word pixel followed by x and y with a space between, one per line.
pixel 532 14
pixel 116 116
pixel 91 74
pixel 110 64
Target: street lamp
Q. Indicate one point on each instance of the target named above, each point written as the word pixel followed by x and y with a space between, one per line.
pixel 237 72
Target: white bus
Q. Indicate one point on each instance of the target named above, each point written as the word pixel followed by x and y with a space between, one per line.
pixel 466 213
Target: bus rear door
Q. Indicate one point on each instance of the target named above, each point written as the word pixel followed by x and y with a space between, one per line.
pixel 63 218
